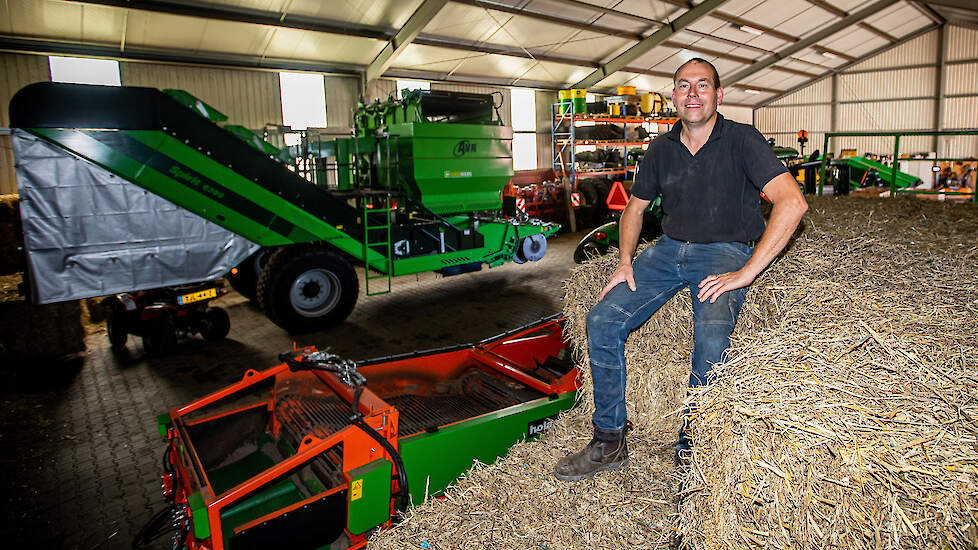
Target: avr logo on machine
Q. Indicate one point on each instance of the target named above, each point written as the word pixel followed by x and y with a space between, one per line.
pixel 463 147
pixel 537 427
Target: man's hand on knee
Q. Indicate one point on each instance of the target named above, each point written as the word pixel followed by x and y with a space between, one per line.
pixel 623 274
pixel 714 285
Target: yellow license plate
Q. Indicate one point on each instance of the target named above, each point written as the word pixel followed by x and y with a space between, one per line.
pixel 197 296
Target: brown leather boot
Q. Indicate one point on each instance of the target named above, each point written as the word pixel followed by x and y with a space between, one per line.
pixel 606 451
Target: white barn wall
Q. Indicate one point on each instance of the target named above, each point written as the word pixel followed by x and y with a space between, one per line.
pixel 342 94
pixel 895 90
pixel 249 98
pixel 961 79
pixel 545 124
pixel 819 92
pixel 962 43
pixel 918 51
pixel 901 83
pixel 737 114
pixel 16 71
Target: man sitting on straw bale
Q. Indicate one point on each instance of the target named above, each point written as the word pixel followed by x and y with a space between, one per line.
pixel 709 171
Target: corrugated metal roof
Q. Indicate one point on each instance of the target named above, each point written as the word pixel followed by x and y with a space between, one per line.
pixel 922 49
pixel 469 36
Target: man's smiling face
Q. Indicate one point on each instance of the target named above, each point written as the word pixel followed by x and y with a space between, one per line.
pixel 695 95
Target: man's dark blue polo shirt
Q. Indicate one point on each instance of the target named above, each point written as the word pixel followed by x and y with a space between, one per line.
pixel 714 195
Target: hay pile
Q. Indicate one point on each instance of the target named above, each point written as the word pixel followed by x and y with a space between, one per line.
pixel 845 417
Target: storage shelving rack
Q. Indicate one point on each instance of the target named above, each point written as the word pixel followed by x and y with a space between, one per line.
pixel 564 141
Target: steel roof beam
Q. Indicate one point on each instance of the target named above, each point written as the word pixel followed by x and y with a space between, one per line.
pixel 663 74
pixel 832 53
pixel 731 57
pixel 927 11
pixel 487 48
pixel 745 23
pixel 505 8
pixel 843 23
pixel 259 17
pixel 188 57
pixel 838 12
pixel 400 41
pixel 646 44
pixel 609 11
pixel 246 15
pixel 837 70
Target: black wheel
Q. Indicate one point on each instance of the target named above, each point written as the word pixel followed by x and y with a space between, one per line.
pixel 307 289
pixel 245 281
pixel 215 324
pixel 160 337
pixel 587 251
pixel 115 325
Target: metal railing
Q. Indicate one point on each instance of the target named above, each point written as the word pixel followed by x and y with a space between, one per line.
pixel 894 190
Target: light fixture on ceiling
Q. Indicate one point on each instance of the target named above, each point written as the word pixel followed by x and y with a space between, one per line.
pixel 750 29
pixel 829 55
pixel 750 91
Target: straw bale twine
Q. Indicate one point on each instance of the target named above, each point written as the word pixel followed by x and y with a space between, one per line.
pixel 846 415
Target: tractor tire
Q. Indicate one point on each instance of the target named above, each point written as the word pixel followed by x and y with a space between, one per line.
pixel 215 325
pixel 305 289
pixel 588 251
pixel 115 326
pixel 161 337
pixel 245 281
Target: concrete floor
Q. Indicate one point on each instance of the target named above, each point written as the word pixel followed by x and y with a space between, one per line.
pixel 80 457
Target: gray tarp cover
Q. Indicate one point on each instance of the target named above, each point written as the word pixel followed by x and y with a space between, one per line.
pixel 91 233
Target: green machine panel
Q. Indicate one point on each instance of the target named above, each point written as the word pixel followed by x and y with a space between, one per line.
pixel 435 460
pixel 370 496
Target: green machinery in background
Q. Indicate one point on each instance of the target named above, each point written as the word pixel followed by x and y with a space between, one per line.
pixel 852 170
pixel 859 172
pixel 417 188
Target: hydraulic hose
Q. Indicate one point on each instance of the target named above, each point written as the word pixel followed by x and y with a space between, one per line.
pixel 402 481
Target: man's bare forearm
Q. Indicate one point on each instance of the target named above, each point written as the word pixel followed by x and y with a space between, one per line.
pixel 630 227
pixel 785 217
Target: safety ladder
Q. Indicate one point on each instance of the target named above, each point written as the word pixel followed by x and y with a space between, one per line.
pixel 377 233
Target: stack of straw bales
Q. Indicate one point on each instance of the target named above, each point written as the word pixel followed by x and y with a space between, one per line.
pixel 846 415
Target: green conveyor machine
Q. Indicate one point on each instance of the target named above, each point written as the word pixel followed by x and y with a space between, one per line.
pixel 857 167
pixel 417 188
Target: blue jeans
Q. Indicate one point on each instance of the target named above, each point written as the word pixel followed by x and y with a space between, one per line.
pixel 660 272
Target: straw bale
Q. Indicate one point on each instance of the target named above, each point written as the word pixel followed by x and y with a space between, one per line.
pixel 845 417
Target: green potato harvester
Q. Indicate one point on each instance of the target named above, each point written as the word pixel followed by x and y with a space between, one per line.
pixel 415 188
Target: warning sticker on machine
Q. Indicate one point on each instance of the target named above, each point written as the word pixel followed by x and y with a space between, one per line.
pixel 449 174
pixel 356 489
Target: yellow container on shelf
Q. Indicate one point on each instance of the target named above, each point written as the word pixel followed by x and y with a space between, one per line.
pixel 645 104
pixel 579 97
pixel 652 104
pixel 626 90
pixel 615 109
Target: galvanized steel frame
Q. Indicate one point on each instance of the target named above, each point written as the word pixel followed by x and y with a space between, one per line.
pixel 896 155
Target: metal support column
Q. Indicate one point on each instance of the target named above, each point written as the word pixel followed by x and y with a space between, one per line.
pixel 940 90
pixel 834 114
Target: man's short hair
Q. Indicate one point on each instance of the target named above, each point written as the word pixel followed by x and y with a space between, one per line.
pixel 716 75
